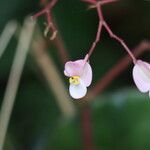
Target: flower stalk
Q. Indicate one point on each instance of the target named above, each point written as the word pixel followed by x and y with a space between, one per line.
pixel 49 25
pixel 103 23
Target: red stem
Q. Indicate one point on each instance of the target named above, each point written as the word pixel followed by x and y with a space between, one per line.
pixel 112 35
pixel 103 2
pixel 99 11
pixel 87 128
pixel 51 4
pixel 107 1
pixel 48 16
pixel 47 12
pixel 115 71
pixel 63 54
pixel 39 14
pixel 48 8
pixel 102 22
pixel 96 40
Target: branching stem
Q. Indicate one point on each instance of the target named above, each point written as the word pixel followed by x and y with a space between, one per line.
pixel 102 23
pixel 49 25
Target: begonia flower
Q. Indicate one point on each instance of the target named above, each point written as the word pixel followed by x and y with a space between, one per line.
pixel 141 76
pixel 80 77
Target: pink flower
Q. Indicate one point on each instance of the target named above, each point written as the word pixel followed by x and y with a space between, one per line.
pixel 141 76
pixel 80 77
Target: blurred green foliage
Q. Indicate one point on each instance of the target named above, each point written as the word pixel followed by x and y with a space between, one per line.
pixel 120 118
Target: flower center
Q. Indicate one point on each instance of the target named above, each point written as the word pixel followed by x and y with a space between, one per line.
pixel 74 80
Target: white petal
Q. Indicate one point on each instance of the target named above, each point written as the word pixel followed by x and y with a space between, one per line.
pixel 66 73
pixel 87 74
pixel 78 91
pixel 141 76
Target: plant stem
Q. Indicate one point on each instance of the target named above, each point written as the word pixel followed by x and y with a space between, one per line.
pixel 14 78
pixel 120 41
pixel 6 35
pixel 51 74
pixel 96 40
pixel 115 71
pixel 47 12
pixel 102 23
pixel 87 127
pixel 48 8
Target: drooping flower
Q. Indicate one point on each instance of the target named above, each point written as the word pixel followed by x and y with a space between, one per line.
pixel 141 76
pixel 80 77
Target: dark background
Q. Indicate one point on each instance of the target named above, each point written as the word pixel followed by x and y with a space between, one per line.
pixel 120 116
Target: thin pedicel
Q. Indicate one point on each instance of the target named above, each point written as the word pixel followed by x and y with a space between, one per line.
pixel 49 25
pixel 103 23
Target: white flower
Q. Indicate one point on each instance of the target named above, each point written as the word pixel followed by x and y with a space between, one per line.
pixel 80 77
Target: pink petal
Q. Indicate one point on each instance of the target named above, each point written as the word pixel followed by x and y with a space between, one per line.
pixel 141 76
pixel 87 74
pixel 74 68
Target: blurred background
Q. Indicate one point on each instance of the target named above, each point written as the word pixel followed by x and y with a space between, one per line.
pixel 118 118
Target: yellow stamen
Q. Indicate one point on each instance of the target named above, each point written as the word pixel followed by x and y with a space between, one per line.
pixel 74 80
